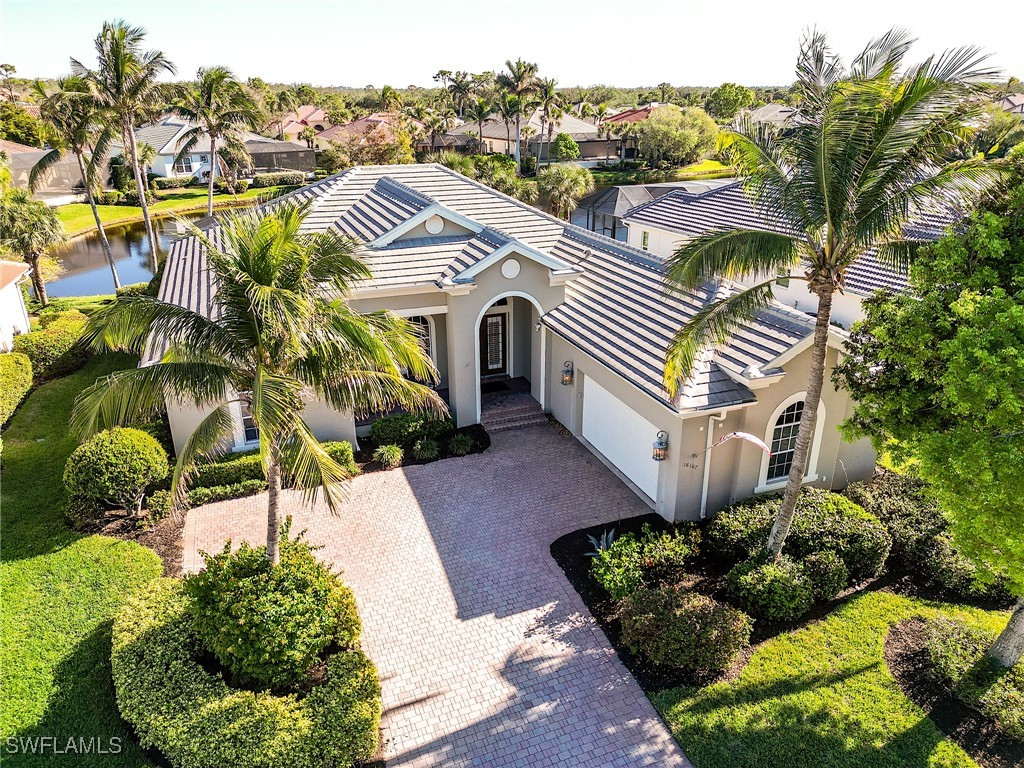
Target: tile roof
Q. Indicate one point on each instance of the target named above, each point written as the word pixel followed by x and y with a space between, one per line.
pixel 494 128
pixel 11 271
pixel 616 309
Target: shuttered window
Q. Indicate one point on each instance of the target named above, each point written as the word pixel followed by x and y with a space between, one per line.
pixel 495 343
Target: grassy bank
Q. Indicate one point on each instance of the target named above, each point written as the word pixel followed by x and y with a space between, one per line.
pixel 60 588
pixel 77 217
pixel 706 169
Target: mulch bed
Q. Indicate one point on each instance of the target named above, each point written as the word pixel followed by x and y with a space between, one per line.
pixel 977 734
pixel 364 456
pixel 164 538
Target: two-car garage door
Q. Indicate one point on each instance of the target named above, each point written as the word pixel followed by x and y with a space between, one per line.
pixel 621 435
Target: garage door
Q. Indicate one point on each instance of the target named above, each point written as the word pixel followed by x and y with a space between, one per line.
pixel 621 435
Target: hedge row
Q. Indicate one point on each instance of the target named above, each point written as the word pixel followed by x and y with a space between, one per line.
pixel 245 467
pixel 53 349
pixel 172 182
pixel 281 178
pixel 15 382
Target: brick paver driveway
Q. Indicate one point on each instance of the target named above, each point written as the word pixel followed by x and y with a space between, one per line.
pixel 487 656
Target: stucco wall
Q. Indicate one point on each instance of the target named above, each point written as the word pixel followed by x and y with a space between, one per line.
pixel 13 316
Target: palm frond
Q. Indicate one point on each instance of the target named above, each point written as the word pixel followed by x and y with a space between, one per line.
pixel 731 254
pixel 209 439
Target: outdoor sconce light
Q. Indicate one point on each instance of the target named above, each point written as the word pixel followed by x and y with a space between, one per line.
pixel 567 373
pixel 660 447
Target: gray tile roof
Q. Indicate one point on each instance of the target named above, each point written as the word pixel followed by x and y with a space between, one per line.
pixel 616 310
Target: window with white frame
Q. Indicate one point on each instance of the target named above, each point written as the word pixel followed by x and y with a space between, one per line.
pixel 645 239
pixel 250 432
pixel 783 443
pixel 184 165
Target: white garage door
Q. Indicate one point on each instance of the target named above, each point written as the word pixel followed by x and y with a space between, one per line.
pixel 622 436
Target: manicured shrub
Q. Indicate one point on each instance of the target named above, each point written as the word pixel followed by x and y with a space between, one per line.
pixel 957 653
pixel 741 530
pixel 135 289
pixel 631 563
pixel 389 456
pixel 195 719
pixel 131 197
pixel 901 502
pixel 618 568
pixel 172 182
pixel 15 382
pixel 110 197
pixel 83 513
pixel 405 429
pixel 677 628
pixel 54 349
pixel 461 444
pixel 158 505
pixel 230 469
pixel 775 591
pixel 426 449
pixel 114 467
pixel 197 497
pixel 282 178
pixel 269 624
pixel 341 452
pixel 828 574
pixel 938 565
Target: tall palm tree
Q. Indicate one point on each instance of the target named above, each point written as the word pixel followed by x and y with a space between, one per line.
pixel 73 125
pixel 126 83
pixel 308 135
pixel 521 82
pixel 478 111
pixel 460 90
pixel 280 104
pixel 146 154
pixel 563 185
pixel 218 107
pixel 549 102
pixel 285 331
pixel 29 228
pixel 390 100
pixel 863 158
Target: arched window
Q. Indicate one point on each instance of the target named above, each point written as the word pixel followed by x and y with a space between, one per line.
pixel 783 443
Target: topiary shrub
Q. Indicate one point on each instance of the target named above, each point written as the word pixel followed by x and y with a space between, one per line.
pixel 426 449
pixel 114 467
pixel 195 719
pixel 269 624
pixel 231 469
pixel 828 574
pixel 775 591
pixel 940 567
pixel 405 429
pixel 741 530
pixel 15 382
pixel 389 456
pixel 901 502
pixel 110 197
pixel 282 178
pixel 54 349
pixel 461 444
pixel 631 563
pixel 677 628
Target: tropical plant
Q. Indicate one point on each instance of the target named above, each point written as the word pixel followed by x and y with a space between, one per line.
pixel 728 99
pixel 676 136
pixel 550 105
pixel 280 104
pixel 521 82
pixel 864 159
pixel 508 107
pixel 29 228
pixel 219 109
pixel 390 100
pixel 563 186
pixel 479 111
pixel 308 135
pixel 74 125
pixel 126 85
pixel 284 332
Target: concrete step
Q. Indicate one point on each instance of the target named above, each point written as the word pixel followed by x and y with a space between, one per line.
pixel 515 422
pixel 510 410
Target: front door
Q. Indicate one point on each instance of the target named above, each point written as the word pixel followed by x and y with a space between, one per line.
pixel 494 345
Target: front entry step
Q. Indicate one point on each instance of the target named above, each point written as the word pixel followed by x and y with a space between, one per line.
pixel 511 411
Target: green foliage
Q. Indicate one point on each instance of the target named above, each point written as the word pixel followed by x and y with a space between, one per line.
pixel 631 563
pixel 114 467
pixel 17 125
pixel 158 505
pixel 563 186
pixel 208 494
pixel 389 456
pixel 936 563
pixel 135 289
pixel 54 349
pixel 957 652
pixel 565 148
pixel 775 591
pixel 426 449
pixel 228 470
pixel 828 574
pixel 341 452
pixel 902 503
pixel 728 99
pixel 15 382
pixel 197 720
pixel 529 165
pixel 674 137
pixel 461 444
pixel 171 182
pixel 678 628
pixel 110 197
pixel 280 178
pixel 405 429
pixel 269 624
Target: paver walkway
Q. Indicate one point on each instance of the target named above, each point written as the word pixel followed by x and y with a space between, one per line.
pixel 487 655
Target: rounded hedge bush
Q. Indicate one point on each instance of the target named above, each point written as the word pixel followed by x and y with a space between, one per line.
pixel 15 382
pixel 196 720
pixel 775 591
pixel 678 628
pixel 114 467
pixel 828 574
pixel 652 558
pixel 54 349
pixel 404 429
pixel 269 624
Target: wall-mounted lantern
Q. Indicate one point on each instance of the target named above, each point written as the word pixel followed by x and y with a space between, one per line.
pixel 567 373
pixel 660 447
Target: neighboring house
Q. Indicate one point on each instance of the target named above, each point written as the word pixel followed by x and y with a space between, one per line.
pixel 167 137
pixel 776 114
pixel 62 182
pixel 580 322
pixel 306 116
pixel 602 211
pixel 664 224
pixel 635 115
pixel 384 121
pixel 499 138
pixel 13 314
pixel 618 123
pixel 1013 103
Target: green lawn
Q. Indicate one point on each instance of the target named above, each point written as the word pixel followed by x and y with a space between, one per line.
pixel 77 217
pixel 705 169
pixel 60 589
pixel 821 696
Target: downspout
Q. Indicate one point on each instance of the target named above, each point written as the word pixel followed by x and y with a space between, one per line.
pixel 707 461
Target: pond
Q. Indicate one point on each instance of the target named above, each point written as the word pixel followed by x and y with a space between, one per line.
pixel 86 271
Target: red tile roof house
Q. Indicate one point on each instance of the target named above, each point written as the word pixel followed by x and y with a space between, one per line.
pixel 386 121
pixel 573 324
pixel 306 116
pixel 628 145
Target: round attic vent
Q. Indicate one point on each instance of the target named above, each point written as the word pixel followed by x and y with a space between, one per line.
pixel 510 268
pixel 434 225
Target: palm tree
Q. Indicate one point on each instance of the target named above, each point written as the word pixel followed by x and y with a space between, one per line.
pixel 549 103
pixel 72 118
pixel 125 83
pixel 308 135
pixel 563 185
pixel 520 81
pixel 665 90
pixel 217 106
pixel 30 228
pixel 864 157
pixel 147 154
pixel 460 90
pixel 279 105
pixel 456 161
pixel 478 111
pixel 284 332
pixel 509 108
pixel 390 99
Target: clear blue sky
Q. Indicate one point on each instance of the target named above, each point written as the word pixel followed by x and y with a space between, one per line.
pixel 403 42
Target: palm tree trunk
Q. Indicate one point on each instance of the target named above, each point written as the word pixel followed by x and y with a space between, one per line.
pixel 274 512
pixel 540 144
pixel 99 223
pixel 141 186
pixel 808 420
pixel 213 164
pixel 1008 648
pixel 519 136
pixel 38 285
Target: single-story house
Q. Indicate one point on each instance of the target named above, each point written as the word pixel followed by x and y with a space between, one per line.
pixel 13 314
pixel 501 138
pixel 776 114
pixel 62 182
pixel 662 225
pixel 166 136
pixel 1013 103
pixel 581 322
pixel 306 116
pixel 383 121
pixel 619 123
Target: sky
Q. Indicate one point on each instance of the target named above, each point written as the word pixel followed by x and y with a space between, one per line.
pixel 404 42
